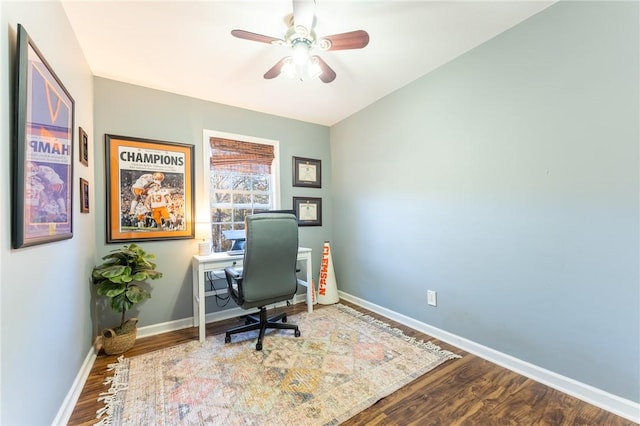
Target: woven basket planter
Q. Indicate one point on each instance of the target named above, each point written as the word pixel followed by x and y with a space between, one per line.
pixel 114 344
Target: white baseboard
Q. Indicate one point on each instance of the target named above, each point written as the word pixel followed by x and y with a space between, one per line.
pixel 70 401
pixel 622 407
pixel 607 401
pixel 152 330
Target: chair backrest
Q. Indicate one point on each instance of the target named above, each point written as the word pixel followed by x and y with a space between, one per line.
pixel 271 251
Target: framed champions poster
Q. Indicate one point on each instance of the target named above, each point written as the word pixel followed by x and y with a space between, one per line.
pixel 149 189
pixel 43 151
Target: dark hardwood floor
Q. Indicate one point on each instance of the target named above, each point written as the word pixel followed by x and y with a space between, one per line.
pixel 466 391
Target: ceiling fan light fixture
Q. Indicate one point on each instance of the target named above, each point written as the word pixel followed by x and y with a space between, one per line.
pixel 313 69
pixel 301 38
pixel 288 69
pixel 300 53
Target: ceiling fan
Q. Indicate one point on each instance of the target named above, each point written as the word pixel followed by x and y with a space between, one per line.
pixel 301 38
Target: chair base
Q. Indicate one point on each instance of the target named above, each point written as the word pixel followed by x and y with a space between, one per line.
pixel 262 323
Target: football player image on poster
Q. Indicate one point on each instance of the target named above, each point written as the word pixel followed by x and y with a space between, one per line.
pixel 141 187
pixel 150 187
pixel 151 201
pixel 45 193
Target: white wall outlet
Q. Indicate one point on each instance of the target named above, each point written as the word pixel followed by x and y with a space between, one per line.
pixel 431 297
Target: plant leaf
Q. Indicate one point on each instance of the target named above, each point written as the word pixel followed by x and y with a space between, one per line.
pixel 114 271
pixel 154 275
pixel 110 289
pixel 137 294
pixel 121 303
pixel 139 276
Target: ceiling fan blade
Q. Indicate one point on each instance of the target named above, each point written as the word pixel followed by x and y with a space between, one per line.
pixel 246 35
pixel 351 40
pixel 303 13
pixel 275 70
pixel 328 75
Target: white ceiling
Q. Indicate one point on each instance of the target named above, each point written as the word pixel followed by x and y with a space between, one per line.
pixel 185 47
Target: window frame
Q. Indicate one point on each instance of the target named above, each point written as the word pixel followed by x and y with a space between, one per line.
pixel 205 214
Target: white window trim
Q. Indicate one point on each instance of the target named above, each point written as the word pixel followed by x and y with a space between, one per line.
pixel 205 211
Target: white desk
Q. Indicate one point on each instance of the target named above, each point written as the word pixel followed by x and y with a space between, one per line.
pixel 217 262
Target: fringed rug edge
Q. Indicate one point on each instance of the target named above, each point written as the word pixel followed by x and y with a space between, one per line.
pixel 399 333
pixel 118 383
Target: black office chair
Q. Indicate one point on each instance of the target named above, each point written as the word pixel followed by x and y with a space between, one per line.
pixel 268 272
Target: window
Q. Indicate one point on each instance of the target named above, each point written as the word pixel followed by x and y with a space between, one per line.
pixel 243 179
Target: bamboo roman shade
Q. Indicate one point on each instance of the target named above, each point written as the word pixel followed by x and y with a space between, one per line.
pixel 238 156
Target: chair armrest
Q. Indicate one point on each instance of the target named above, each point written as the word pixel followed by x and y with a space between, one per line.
pixel 232 272
pixel 234 284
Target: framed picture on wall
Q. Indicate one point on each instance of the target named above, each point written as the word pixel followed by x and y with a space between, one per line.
pixel 149 189
pixel 42 185
pixel 84 196
pixel 308 211
pixel 83 144
pixel 307 172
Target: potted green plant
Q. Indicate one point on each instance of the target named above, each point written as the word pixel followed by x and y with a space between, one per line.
pixel 118 278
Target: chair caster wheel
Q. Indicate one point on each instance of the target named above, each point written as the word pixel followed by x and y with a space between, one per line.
pixel 227 339
pixel 297 333
pixel 258 346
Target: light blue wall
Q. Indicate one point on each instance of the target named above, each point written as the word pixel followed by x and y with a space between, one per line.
pixel 509 178
pixel 507 181
pixel 44 290
pixel 129 110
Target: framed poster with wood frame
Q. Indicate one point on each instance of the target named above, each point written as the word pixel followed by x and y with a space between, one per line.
pixel 307 172
pixel 149 189
pixel 42 185
pixel 308 211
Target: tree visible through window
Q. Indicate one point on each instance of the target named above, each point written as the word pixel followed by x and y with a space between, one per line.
pixel 242 182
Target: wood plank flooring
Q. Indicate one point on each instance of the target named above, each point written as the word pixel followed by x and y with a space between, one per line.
pixel 466 391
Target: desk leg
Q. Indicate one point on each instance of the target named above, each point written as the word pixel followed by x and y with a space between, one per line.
pixel 198 301
pixel 196 283
pixel 201 309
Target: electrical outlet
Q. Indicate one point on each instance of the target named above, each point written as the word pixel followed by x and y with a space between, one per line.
pixel 431 297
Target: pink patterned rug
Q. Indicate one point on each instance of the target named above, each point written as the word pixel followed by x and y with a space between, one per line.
pixel 343 363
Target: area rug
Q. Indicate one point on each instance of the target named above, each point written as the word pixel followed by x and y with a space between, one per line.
pixel 344 362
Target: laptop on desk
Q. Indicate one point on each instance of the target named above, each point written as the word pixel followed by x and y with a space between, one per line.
pixel 237 238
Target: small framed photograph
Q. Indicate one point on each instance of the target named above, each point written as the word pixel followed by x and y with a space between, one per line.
pixel 84 196
pixel 308 211
pixel 307 172
pixel 83 141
